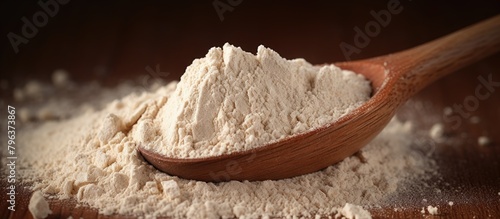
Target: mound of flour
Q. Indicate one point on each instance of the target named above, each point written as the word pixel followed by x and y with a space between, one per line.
pixel 232 100
pixel 91 156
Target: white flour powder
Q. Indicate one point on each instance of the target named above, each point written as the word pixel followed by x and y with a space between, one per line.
pixel 91 156
pixel 78 158
pixel 232 100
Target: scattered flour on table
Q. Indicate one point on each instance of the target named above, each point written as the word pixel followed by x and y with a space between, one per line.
pixel 437 132
pixel 60 78
pixel 474 119
pixel 38 206
pixel 90 155
pixel 483 140
pixel 232 100
pixel 432 210
pixel 351 211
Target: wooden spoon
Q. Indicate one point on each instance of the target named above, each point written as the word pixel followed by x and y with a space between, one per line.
pixel 395 78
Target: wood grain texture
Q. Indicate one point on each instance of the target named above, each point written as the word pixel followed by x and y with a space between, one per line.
pixel 112 42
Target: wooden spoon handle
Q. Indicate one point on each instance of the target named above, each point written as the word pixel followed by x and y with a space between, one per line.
pixel 416 68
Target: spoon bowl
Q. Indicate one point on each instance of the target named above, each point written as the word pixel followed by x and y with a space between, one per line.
pixel 394 79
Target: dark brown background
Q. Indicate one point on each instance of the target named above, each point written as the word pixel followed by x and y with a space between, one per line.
pixel 112 41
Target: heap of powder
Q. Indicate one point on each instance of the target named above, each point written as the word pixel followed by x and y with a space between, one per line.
pixel 232 100
pixel 92 157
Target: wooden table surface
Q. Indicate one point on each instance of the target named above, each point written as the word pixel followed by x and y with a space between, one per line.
pixel 112 42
